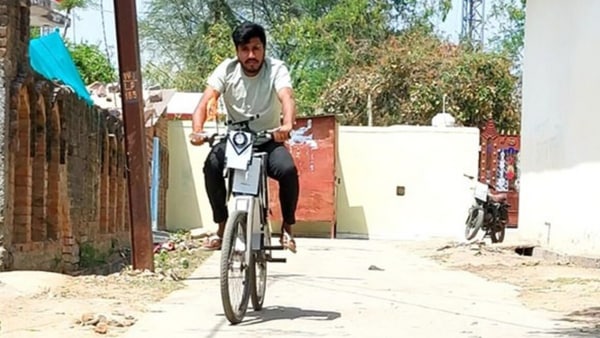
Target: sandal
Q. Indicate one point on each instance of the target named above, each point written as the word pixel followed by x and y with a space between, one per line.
pixel 212 243
pixel 287 241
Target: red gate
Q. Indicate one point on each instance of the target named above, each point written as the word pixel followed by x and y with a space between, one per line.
pixel 499 166
pixel 313 148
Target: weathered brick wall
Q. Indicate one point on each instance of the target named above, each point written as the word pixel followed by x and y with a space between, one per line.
pixel 70 206
pixel 13 45
pixel 65 193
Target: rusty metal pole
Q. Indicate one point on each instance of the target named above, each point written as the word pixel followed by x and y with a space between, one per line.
pixel 135 141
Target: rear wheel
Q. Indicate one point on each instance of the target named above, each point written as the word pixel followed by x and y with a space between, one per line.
pixel 499 229
pixel 235 274
pixel 473 223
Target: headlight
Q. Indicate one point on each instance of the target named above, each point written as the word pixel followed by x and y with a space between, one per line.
pixel 239 139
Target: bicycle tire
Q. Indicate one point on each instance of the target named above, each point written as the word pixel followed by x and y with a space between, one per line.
pixel 234 314
pixel 258 284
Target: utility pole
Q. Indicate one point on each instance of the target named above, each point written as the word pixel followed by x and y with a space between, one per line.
pixel 135 140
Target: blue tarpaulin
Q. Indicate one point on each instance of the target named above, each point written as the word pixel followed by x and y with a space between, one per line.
pixel 50 58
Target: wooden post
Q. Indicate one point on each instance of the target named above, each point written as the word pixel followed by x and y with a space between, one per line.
pixel 135 141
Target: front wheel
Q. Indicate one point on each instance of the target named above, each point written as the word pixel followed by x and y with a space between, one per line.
pixel 258 280
pixel 473 223
pixel 235 274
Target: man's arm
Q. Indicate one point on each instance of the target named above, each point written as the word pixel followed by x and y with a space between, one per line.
pixel 288 107
pixel 199 116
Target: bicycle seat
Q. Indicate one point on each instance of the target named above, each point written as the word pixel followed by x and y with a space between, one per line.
pixel 498 198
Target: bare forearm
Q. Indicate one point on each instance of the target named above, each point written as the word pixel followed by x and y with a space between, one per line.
pixel 199 118
pixel 288 108
pixel 200 114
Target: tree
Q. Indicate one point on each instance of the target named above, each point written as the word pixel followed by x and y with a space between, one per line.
pixel 340 53
pixel 319 51
pixel 187 40
pixel 91 63
pixel 69 5
pixel 511 32
pixel 411 74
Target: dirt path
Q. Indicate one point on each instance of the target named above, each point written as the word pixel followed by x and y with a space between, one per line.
pixel 42 304
pixel 565 288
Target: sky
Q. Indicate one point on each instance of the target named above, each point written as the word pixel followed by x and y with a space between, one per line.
pixel 87 25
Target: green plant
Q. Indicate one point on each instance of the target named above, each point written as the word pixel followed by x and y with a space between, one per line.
pixel 92 63
pixel 90 256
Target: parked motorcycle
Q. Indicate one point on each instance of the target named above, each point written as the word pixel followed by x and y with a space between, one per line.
pixel 489 213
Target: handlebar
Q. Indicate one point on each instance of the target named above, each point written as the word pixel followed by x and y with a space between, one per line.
pixel 243 125
pixel 215 138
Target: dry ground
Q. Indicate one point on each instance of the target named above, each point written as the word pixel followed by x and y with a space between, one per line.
pixel 41 304
pixel 555 285
pixel 52 305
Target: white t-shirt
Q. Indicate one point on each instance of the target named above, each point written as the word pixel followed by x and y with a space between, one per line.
pixel 245 96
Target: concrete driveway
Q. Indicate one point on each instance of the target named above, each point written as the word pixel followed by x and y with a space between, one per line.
pixel 327 289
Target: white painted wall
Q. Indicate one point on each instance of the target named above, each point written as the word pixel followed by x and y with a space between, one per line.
pixel 187 203
pixel 560 156
pixel 428 161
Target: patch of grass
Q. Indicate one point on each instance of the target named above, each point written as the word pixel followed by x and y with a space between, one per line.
pixel 90 256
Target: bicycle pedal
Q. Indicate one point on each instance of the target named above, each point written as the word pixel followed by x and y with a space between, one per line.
pixel 273 247
pixel 277 260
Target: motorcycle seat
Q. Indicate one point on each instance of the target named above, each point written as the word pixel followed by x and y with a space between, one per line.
pixel 498 198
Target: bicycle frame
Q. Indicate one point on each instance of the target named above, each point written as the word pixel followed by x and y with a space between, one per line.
pixel 250 194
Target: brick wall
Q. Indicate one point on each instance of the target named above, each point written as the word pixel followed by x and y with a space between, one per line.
pixel 13 43
pixel 68 177
pixel 65 193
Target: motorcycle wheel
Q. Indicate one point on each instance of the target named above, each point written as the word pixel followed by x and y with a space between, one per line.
pixel 473 223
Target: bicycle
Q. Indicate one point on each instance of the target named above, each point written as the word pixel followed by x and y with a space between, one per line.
pixel 248 223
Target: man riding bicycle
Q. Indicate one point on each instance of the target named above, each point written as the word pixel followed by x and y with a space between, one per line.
pixel 251 85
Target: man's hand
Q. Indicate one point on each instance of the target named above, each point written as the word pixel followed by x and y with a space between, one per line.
pixel 198 138
pixel 282 133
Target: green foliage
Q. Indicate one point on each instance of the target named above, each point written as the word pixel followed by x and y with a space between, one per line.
pixel 70 4
pixel 511 17
pixel 412 73
pixel 320 50
pixel 90 257
pixel 340 52
pixel 91 63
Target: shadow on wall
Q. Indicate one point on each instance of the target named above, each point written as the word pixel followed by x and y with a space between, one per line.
pixel 183 210
pixel 351 220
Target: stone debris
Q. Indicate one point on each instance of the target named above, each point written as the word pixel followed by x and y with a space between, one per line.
pixel 101 323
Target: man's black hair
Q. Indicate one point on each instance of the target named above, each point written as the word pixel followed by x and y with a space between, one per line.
pixel 246 31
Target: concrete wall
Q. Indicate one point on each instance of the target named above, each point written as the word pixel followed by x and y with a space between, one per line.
pixel 187 204
pixel 560 158
pixel 428 162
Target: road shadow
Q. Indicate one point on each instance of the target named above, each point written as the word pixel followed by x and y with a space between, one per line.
pixel 271 313
pixel 585 323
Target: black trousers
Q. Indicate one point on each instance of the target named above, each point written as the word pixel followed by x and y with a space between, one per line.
pixel 280 166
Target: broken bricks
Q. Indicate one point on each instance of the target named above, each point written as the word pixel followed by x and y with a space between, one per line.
pixel 101 323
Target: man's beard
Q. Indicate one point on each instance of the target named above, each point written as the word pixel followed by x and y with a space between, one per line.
pixel 250 71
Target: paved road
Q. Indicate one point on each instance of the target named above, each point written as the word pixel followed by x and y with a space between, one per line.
pixel 327 290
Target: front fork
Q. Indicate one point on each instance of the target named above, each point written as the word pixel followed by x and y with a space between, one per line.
pixel 249 205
